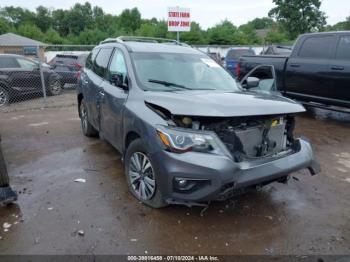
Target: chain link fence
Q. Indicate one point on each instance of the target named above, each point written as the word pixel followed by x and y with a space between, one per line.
pixel 40 77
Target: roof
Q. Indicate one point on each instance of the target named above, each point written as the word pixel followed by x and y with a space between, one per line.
pixel 156 47
pixel 11 39
pixel 327 33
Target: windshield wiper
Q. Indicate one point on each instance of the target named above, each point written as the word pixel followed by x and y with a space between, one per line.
pixel 165 83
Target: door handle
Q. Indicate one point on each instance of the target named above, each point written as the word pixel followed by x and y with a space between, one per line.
pixel 339 68
pixel 101 93
pixel 85 82
pixel 294 65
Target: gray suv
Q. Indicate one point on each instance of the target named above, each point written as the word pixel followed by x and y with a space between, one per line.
pixel 188 132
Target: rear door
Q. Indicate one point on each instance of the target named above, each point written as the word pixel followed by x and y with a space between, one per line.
pixel 339 69
pixel 112 104
pixel 307 70
pixel 92 84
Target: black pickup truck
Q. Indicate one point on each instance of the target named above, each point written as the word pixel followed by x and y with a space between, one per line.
pixel 317 70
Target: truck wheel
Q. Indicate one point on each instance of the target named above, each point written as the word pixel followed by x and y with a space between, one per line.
pixel 141 177
pixel 55 87
pixel 86 127
pixel 4 97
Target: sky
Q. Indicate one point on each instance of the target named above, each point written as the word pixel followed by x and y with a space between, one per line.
pixel 206 12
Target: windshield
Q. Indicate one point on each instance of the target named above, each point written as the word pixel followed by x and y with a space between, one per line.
pixel 169 72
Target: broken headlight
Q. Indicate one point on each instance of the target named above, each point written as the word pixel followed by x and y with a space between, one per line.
pixel 181 140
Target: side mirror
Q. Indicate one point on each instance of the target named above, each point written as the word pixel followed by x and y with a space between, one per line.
pixel 252 82
pixel 118 80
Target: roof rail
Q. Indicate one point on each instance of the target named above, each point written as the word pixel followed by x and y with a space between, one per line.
pixel 122 39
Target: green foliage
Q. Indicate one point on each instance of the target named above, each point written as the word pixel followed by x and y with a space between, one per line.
pixel 298 16
pixel 53 37
pixel 261 23
pixel 86 24
pixel 130 20
pixel 30 31
pixel 341 26
pixel 4 26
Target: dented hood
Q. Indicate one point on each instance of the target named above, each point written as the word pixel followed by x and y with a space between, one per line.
pixel 220 104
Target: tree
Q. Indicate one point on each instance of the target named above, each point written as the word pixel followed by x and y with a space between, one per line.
pixel 79 17
pixel 30 31
pixel 130 20
pixel 43 18
pixel 261 23
pixel 223 34
pixel 52 37
pixel 4 26
pixel 195 36
pixel 298 16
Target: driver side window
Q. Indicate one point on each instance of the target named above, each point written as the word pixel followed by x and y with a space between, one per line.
pixel 118 65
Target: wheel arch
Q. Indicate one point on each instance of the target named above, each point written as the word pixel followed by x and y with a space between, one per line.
pixel 80 98
pixel 129 138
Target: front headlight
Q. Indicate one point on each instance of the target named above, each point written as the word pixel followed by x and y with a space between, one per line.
pixel 180 140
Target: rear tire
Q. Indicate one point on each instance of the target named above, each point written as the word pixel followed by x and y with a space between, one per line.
pixel 86 127
pixel 151 195
pixel 4 97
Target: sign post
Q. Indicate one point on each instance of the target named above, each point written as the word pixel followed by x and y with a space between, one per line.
pixel 179 20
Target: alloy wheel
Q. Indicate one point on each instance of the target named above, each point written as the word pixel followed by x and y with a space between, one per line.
pixel 141 176
pixel 3 97
pixel 55 87
pixel 83 118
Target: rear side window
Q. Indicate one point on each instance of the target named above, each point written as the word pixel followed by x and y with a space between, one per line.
pixel 317 47
pixel 101 61
pixel 26 64
pixel 91 58
pixel 8 62
pixel 343 51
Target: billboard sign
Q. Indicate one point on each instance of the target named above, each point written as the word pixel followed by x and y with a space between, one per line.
pixel 179 19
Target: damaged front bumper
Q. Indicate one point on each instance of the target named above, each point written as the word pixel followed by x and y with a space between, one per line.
pixel 198 177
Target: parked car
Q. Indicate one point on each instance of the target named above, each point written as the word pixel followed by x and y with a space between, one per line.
pixel 68 66
pixel 318 69
pixel 277 50
pixel 186 129
pixel 20 76
pixel 232 57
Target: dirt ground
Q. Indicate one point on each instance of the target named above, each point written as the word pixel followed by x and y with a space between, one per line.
pixel 46 152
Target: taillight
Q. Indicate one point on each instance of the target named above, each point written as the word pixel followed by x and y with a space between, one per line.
pixel 77 65
pixel 238 70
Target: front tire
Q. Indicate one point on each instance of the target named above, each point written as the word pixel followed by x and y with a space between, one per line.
pixel 141 176
pixel 87 129
pixel 4 97
pixel 55 87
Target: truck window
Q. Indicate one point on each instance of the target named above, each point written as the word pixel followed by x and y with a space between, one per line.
pixel 317 47
pixel 343 51
pixel 101 61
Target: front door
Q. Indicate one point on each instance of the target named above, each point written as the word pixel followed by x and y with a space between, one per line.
pixel 112 104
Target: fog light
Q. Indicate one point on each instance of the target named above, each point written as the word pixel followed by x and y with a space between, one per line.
pixel 185 185
pixel 182 182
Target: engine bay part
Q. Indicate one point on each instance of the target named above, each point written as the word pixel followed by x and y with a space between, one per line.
pixel 247 137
